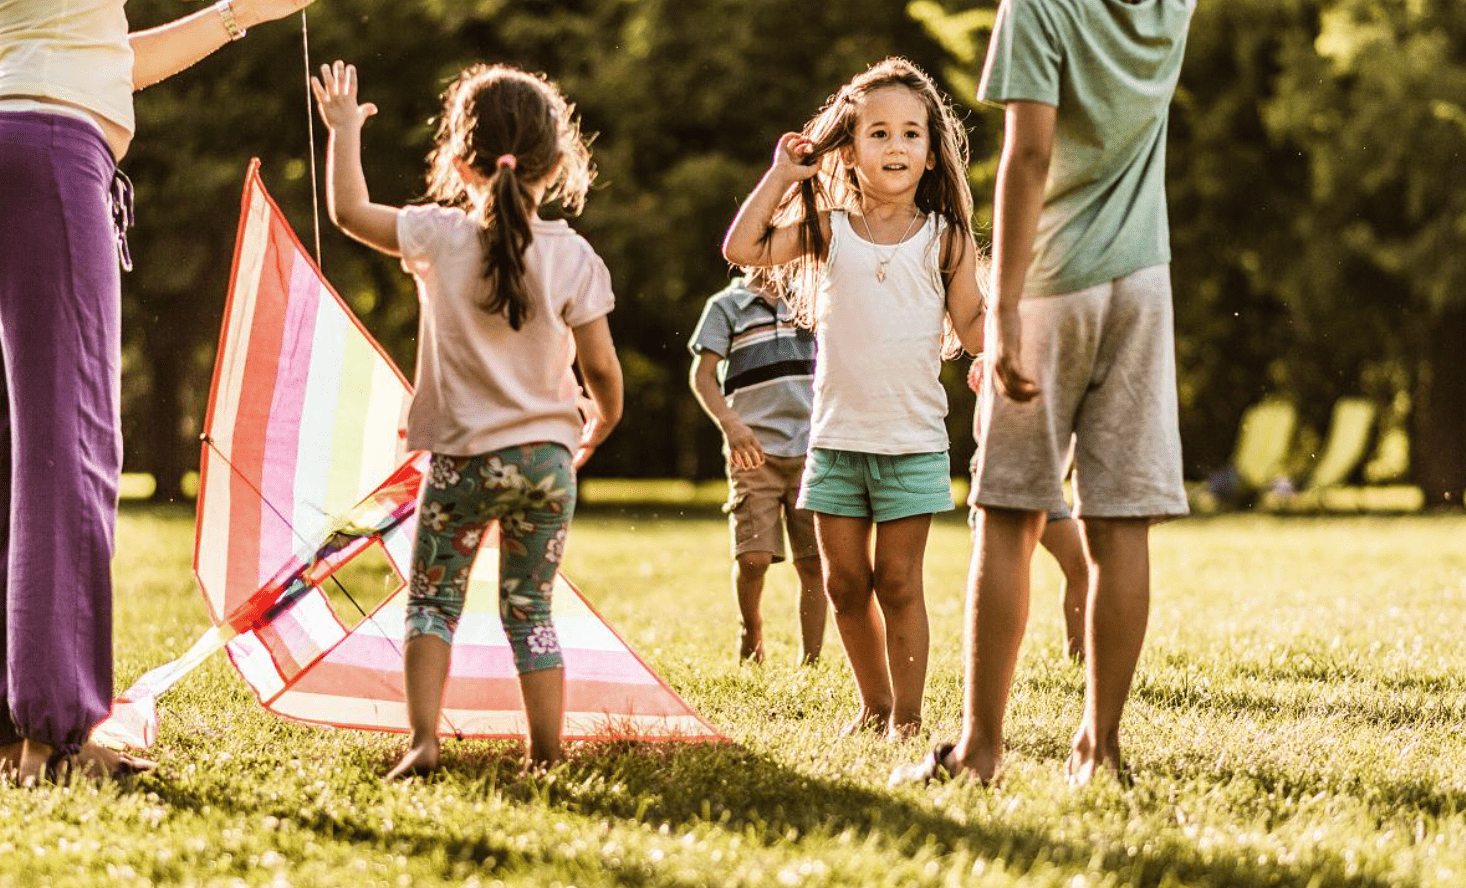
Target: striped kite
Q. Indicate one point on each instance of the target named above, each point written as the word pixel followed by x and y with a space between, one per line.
pixel 303 470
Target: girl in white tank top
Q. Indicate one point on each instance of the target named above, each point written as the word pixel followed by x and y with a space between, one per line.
pixel 866 218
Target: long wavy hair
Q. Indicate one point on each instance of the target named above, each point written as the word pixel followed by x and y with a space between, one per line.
pixel 943 190
pixel 514 129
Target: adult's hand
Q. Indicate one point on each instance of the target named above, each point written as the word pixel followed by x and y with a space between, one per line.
pixel 1007 364
pixel 254 12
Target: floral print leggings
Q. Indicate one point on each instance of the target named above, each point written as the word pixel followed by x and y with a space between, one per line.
pixel 530 491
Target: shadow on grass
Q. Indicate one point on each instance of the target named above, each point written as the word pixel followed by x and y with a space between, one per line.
pixel 727 787
pixel 735 789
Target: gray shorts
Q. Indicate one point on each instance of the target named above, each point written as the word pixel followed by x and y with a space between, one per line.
pixel 1105 362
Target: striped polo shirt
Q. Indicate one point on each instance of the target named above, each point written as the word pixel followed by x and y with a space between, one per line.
pixel 767 366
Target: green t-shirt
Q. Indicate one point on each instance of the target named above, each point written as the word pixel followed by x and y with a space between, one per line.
pixel 1110 67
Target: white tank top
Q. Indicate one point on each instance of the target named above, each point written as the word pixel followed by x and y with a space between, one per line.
pixel 876 385
pixel 71 50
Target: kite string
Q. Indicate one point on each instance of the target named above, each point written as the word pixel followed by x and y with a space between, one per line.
pixel 310 129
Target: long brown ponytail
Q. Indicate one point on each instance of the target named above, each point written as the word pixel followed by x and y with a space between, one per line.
pixel 515 130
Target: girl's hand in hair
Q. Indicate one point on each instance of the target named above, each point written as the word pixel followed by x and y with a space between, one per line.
pixel 335 92
pixel 792 157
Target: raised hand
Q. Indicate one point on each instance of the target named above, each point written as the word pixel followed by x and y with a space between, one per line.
pixel 335 92
pixel 791 157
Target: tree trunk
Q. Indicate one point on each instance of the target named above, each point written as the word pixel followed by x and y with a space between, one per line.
pixel 168 456
pixel 689 418
pixel 1438 451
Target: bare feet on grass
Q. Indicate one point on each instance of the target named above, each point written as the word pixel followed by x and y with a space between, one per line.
pixel 30 762
pixel 1090 759
pixel 903 729
pixel 751 647
pixel 96 762
pixel 420 760
pixel 869 720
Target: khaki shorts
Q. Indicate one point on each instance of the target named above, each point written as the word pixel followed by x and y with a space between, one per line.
pixel 1105 361
pixel 761 504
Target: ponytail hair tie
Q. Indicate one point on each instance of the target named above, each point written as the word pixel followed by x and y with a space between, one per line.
pixel 506 160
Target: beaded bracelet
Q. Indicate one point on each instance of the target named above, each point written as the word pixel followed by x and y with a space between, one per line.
pixel 225 8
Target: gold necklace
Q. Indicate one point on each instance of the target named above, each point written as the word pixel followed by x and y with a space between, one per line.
pixel 882 263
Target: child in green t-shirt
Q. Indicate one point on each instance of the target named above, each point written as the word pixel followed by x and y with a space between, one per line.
pixel 1081 316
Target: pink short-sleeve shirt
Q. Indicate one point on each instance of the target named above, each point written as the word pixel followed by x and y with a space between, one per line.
pixel 481 385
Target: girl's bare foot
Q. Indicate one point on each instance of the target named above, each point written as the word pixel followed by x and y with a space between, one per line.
pixel 1074 647
pixel 1088 760
pixel 750 647
pixel 903 729
pixel 420 760
pixel 867 720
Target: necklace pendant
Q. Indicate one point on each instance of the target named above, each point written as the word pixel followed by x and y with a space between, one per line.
pixel 880 273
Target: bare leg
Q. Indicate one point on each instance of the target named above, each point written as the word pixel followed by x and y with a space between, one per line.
pixel 997 610
pixel 1061 538
pixel 1119 607
pixel 544 708
pixel 425 662
pixel 812 608
pixel 849 579
pixel 899 553
pixel 749 570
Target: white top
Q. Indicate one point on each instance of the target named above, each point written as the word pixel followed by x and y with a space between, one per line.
pixel 70 50
pixel 876 385
pixel 481 385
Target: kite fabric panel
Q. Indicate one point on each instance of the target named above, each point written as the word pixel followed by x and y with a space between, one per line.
pixel 303 470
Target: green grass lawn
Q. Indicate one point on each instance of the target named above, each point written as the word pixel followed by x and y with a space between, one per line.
pixel 1299 719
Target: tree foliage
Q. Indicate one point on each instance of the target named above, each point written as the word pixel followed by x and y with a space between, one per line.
pixel 1315 154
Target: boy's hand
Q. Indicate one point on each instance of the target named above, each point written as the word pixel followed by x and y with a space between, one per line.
pixel 744 451
pixel 1006 367
pixel 791 157
pixel 335 93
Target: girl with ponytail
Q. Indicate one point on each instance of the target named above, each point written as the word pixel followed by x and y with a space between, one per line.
pixel 509 302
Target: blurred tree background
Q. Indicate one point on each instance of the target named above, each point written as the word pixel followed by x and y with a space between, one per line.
pixel 1318 212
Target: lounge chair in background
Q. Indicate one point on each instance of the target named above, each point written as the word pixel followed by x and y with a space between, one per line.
pixel 1263 437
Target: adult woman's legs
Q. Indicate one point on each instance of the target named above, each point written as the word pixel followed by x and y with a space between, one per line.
pixel 59 332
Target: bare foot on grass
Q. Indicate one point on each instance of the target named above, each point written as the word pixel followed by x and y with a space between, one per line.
pixel 37 762
pixel 96 762
pixel 751 648
pixel 1089 760
pixel 867 720
pixel 420 760
pixel 903 729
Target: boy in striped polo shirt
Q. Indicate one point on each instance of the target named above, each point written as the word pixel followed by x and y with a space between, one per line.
pixel 754 375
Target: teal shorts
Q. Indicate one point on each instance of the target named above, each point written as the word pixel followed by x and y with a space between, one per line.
pixel 879 486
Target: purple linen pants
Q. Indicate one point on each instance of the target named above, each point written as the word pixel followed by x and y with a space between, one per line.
pixel 60 431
